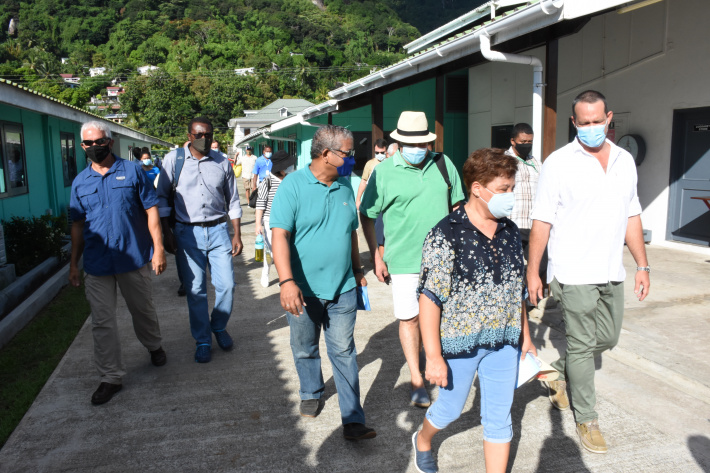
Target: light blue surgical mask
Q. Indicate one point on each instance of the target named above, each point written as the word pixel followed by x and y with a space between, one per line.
pixel 413 154
pixel 592 136
pixel 147 162
pixel 380 156
pixel 267 155
pixel 500 205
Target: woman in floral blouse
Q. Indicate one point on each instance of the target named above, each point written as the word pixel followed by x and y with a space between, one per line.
pixel 472 311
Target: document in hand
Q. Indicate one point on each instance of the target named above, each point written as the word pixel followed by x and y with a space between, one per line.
pixel 363 301
pixel 533 366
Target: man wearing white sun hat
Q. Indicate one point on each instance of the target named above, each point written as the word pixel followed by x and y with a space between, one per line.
pixel 413 191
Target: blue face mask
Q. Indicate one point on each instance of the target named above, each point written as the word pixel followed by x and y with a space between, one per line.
pixel 347 167
pixel 592 136
pixel 501 205
pixel 413 155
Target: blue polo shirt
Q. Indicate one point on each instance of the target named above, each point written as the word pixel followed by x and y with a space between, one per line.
pixel 116 235
pixel 321 220
pixel 261 166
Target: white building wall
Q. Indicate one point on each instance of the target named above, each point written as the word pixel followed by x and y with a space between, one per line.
pixel 647 63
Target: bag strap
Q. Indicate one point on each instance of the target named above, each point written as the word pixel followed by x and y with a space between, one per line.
pixel 179 163
pixel 441 164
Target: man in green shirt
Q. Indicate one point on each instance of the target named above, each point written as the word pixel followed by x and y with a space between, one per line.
pixel 411 193
pixel 314 238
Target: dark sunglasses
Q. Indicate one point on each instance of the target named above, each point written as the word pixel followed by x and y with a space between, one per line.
pixel 202 135
pixel 345 153
pixel 100 142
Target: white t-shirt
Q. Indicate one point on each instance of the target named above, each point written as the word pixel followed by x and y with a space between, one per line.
pixel 589 211
pixel 247 163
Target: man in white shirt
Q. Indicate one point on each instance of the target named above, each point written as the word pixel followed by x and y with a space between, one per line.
pixel 247 161
pixel 587 206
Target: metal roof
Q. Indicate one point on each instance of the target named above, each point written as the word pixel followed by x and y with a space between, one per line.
pixel 29 99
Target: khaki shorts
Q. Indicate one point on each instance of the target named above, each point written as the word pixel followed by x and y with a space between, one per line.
pixel 247 184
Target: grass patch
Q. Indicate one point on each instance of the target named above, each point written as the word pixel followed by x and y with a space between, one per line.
pixel 30 358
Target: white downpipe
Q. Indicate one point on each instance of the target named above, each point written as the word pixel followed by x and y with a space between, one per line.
pixel 537 85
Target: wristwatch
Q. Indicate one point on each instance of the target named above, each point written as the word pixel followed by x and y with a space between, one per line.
pixel 643 268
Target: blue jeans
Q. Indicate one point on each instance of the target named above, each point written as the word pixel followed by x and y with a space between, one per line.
pixel 337 318
pixel 198 249
pixel 497 374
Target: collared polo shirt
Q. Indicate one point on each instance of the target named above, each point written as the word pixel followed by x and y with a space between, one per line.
pixel 321 220
pixel 206 188
pixel 261 166
pixel 116 235
pixel 411 201
pixel 589 210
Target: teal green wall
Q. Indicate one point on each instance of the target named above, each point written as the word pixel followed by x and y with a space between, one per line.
pixel 419 97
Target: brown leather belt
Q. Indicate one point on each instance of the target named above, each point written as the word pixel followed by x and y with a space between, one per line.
pixel 207 224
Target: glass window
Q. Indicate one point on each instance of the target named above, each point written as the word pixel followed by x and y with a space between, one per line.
pixel 13 179
pixel 68 157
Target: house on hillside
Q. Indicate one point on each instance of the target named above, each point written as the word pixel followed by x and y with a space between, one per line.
pixel 71 80
pixel 637 53
pixel 114 92
pixel 144 70
pixel 40 153
pixel 97 71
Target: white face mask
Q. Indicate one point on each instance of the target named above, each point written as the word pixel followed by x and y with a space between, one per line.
pixel 380 156
pixel 289 170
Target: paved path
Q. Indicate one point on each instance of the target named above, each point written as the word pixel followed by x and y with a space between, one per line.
pixel 240 412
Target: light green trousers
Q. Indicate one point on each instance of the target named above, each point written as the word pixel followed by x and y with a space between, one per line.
pixel 593 314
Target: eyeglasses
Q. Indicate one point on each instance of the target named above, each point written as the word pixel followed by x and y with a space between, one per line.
pixel 100 142
pixel 346 153
pixel 202 135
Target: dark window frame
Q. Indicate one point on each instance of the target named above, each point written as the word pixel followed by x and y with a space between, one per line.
pixel 11 191
pixel 62 137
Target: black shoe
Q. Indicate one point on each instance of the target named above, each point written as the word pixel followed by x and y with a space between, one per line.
pixel 105 393
pixel 158 357
pixel 355 431
pixel 181 291
pixel 310 407
pixel 224 340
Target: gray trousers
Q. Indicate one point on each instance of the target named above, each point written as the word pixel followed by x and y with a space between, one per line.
pixel 593 314
pixel 137 289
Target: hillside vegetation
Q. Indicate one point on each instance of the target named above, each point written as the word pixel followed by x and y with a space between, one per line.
pixel 290 48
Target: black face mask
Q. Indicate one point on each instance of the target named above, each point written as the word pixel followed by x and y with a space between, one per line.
pixel 202 145
pixel 97 153
pixel 523 149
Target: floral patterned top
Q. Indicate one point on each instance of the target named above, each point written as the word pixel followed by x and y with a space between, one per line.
pixel 476 281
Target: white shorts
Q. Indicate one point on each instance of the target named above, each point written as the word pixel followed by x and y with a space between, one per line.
pixel 404 295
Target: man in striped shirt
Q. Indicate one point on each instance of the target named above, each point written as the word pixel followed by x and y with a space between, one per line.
pixel 526 178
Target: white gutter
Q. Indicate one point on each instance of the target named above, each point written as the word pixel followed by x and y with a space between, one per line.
pixel 537 85
pixel 278 138
pixel 516 24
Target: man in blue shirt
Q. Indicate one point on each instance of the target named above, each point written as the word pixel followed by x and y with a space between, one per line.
pixel 314 224
pixel 262 165
pixel 205 200
pixel 116 226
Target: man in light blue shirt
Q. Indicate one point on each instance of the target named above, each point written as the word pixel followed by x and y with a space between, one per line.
pixel 205 199
pixel 262 165
pixel 314 238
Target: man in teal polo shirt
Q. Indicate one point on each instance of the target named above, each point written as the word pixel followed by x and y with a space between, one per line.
pixel 411 193
pixel 314 239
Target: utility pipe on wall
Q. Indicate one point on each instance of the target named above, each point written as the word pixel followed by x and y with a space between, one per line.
pixel 537 85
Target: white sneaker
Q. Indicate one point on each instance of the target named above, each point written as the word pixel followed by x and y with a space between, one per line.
pixel 264 279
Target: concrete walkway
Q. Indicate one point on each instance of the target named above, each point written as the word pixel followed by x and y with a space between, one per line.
pixel 240 412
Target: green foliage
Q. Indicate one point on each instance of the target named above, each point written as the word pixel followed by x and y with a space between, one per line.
pixel 40 346
pixel 197 44
pixel 30 241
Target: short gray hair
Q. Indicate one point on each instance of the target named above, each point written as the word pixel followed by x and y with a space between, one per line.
pixel 329 137
pixel 101 126
pixel 393 148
